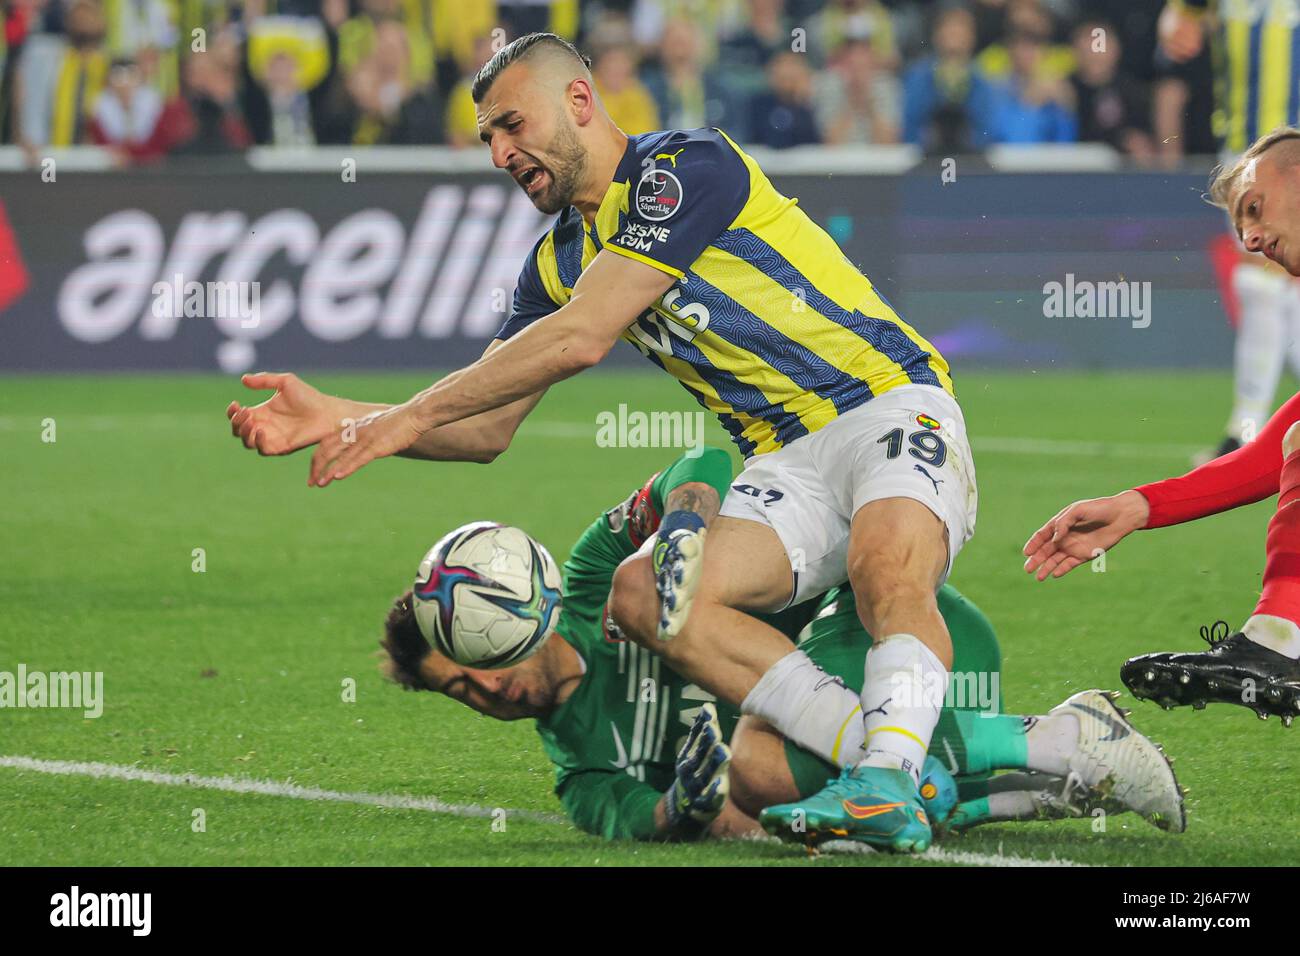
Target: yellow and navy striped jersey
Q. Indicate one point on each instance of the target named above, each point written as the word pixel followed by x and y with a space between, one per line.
pixel 1256 51
pixel 769 325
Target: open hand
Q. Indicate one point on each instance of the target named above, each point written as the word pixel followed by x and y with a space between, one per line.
pixel 1082 531
pixel 296 416
pixel 378 435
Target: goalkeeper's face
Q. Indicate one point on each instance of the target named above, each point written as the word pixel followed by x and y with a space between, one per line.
pixel 508 693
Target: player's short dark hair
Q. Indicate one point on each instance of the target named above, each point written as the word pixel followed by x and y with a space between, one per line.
pixel 404 646
pixel 517 50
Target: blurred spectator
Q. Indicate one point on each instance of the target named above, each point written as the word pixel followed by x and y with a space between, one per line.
pixel 689 94
pixel 784 117
pixel 60 78
pixel 144 31
pixel 392 111
pixel 762 34
pixel 710 19
pixel 530 16
pixel 941 91
pixel 127 112
pixel 842 20
pixel 1029 106
pixel 458 27
pixel 1055 61
pixel 1112 106
pixel 625 97
pixel 461 121
pixel 357 36
pixel 207 119
pixel 16 18
pixel 288 94
pixel 857 101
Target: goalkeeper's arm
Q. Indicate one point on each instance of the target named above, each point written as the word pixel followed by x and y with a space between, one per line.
pixel 615 806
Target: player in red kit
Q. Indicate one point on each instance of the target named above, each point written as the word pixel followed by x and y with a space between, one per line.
pixel 1257 666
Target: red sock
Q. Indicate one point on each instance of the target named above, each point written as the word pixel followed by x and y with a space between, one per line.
pixel 1281 597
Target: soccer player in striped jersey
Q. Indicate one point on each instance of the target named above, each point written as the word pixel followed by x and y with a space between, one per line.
pixel 641 752
pixel 1257 666
pixel 1256 56
pixel 859 465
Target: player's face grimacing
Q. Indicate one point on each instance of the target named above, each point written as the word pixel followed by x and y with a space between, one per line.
pixel 509 693
pixel 532 136
pixel 526 690
pixel 1266 207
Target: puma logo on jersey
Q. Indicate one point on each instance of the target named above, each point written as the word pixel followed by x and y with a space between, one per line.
pixel 934 481
pixel 671 157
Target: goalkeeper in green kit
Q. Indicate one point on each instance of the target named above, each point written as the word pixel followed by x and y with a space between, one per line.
pixel 641 753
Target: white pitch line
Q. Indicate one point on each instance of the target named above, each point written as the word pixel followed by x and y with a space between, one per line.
pixel 270 788
pixel 399 801
pixel 959 857
pixel 584 431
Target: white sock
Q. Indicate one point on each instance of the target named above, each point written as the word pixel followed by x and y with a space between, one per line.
pixel 1050 741
pixel 1275 633
pixel 902 695
pixel 810 707
pixel 1013 805
pixel 1260 347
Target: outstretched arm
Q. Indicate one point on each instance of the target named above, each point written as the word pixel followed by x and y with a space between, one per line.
pixel 612 292
pixel 1081 531
pixel 298 416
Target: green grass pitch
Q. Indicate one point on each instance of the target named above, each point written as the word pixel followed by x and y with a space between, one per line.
pixel 239 670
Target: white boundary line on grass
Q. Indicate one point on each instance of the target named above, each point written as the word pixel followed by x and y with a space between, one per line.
pixel 398 801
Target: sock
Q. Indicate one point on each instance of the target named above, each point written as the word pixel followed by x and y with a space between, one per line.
pixel 1274 623
pixel 1050 741
pixel 1260 347
pixel 967 742
pixel 810 707
pixel 1008 796
pixel 902 694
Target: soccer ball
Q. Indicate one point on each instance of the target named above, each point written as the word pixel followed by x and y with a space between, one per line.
pixel 487 595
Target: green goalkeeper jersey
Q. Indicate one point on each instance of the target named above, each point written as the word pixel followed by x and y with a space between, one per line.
pixel 614 740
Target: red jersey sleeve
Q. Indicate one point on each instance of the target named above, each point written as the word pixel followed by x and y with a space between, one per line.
pixel 1251 473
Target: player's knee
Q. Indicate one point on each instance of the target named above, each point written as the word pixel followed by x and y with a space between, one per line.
pixel 1291 440
pixel 633 601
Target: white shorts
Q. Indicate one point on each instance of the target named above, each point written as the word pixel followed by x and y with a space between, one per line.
pixel 907 443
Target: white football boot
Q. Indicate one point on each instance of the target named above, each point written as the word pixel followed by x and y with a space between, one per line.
pixel 1121 769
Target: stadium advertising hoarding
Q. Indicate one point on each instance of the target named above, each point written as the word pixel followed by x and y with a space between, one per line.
pixel 222 270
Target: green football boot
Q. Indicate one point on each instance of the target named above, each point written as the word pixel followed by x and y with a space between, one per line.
pixel 872 805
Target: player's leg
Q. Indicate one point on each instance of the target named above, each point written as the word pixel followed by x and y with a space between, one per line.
pixel 1260 347
pixel 901 471
pixel 1259 665
pixel 898 553
pixel 778 683
pixel 722 648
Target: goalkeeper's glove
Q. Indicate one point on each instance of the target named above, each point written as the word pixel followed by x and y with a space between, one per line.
pixel 677 559
pixel 700 788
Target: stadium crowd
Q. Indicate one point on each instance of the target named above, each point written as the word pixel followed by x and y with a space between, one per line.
pixel 157 78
